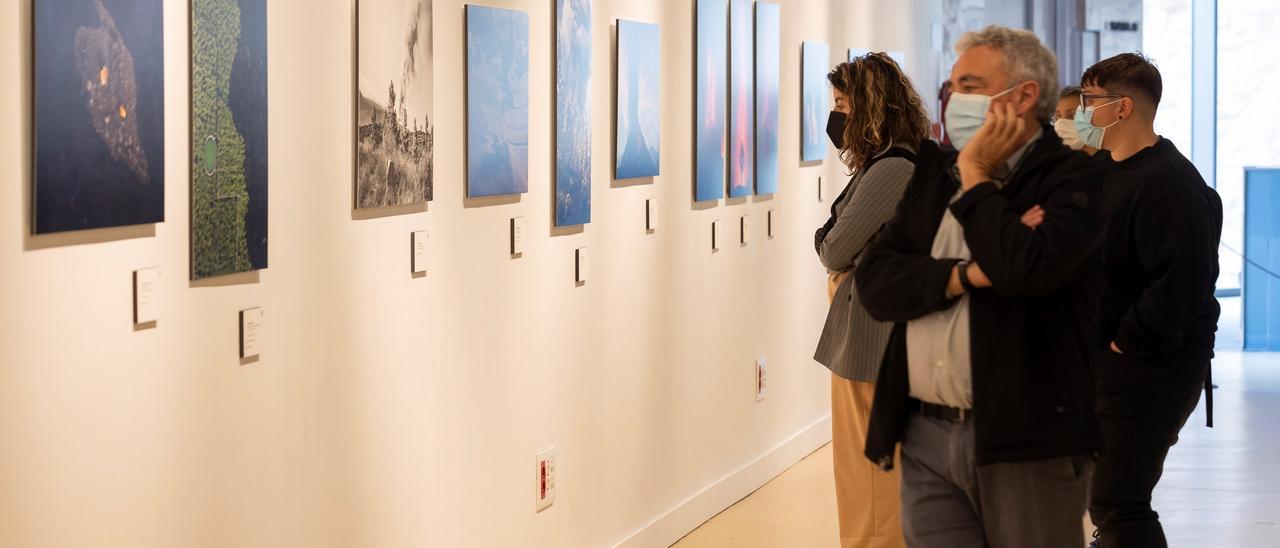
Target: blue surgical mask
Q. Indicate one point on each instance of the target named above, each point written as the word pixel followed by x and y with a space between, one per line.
pixel 965 114
pixel 1090 134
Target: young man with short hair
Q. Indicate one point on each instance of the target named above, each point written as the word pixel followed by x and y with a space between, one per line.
pixel 1158 314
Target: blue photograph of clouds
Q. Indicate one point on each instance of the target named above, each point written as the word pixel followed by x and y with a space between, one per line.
pixel 813 136
pixel 639 100
pixel 768 62
pixel 712 72
pixel 497 101
pixel 573 112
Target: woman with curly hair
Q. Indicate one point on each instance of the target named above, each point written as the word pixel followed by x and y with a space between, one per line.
pixel 878 121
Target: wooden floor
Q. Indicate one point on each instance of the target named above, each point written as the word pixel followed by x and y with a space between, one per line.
pixel 796 509
pixel 1221 487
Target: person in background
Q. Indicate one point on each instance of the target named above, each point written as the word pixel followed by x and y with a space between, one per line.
pixel 877 123
pixel 939 129
pixel 1158 315
pixel 1064 123
pixel 986 381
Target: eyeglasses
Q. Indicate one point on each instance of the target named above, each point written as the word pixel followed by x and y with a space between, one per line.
pixel 1085 97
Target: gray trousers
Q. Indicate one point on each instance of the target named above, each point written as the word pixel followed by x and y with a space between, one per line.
pixel 949 502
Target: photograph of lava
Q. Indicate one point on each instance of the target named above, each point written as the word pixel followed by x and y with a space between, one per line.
pixel 99 114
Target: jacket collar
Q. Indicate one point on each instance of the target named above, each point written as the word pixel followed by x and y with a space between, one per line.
pixel 1010 167
pixel 1045 148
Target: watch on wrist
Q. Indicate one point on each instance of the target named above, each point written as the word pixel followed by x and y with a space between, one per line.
pixel 962 270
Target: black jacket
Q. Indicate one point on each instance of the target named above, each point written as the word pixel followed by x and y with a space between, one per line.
pixel 1163 228
pixel 1033 335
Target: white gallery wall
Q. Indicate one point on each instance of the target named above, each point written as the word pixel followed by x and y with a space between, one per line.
pixel 389 410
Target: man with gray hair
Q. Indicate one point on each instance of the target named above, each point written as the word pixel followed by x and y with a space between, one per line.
pixel 986 381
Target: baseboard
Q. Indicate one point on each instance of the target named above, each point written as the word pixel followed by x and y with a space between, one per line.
pixel 674 524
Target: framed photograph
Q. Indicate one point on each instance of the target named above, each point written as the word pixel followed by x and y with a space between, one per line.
pixel 712 73
pixel 228 137
pixel 573 112
pixel 497 101
pixel 742 101
pixel 768 62
pixel 816 102
pixel 99 114
pixel 395 131
pixel 639 100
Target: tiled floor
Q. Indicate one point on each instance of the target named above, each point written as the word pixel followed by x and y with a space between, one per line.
pixel 1221 487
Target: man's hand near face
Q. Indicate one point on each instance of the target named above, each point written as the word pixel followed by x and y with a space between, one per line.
pixel 992 146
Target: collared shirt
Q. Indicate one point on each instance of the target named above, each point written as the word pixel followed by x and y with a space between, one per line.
pixel 938 353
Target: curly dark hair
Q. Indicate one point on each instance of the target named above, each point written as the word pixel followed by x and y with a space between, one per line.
pixel 885 109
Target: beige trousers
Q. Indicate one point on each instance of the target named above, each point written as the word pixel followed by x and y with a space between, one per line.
pixel 867 498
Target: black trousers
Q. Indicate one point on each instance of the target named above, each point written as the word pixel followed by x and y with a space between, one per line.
pixel 1141 408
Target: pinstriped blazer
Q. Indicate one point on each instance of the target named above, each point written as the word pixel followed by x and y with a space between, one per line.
pixel 852 343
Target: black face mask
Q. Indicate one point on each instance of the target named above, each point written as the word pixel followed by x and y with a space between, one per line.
pixel 836 123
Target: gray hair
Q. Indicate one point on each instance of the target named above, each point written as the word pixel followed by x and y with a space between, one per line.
pixel 1025 58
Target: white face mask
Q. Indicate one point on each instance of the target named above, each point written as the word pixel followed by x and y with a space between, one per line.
pixel 965 114
pixel 1066 129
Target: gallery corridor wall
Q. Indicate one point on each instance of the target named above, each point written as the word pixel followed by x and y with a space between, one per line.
pixel 389 410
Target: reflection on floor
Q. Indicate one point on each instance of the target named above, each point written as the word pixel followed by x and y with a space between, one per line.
pixel 1221 486
pixel 796 509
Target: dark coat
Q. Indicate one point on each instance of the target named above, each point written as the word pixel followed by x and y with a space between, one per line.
pixel 1033 335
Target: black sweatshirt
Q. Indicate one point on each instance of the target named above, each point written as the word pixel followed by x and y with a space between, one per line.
pixel 1161 253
